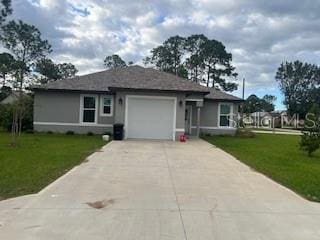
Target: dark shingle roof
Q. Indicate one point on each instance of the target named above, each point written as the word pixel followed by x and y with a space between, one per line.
pixel 133 77
pixel 219 95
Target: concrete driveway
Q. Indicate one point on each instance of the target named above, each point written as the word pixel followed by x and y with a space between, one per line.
pixel 161 190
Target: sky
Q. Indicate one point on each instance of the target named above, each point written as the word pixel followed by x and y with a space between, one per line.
pixel 259 34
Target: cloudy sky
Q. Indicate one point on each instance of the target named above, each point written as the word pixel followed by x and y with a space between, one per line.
pixel 259 34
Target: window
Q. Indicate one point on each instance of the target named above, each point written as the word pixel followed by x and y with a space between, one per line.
pixel 106 105
pixel 89 105
pixel 225 111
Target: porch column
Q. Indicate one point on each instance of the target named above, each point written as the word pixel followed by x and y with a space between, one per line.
pixel 198 121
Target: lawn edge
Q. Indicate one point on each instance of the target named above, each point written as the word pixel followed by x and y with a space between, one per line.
pixel 61 176
pixel 53 183
pixel 264 175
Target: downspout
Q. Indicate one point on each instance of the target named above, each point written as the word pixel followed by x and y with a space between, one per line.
pixel 198 121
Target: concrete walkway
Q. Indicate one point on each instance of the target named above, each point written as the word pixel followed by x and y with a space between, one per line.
pixel 149 190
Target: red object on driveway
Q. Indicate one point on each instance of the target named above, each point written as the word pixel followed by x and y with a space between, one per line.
pixel 183 138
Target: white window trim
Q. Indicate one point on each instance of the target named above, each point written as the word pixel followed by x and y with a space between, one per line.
pixel 82 108
pixel 231 114
pixel 102 114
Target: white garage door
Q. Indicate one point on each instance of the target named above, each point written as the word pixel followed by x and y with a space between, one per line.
pixel 150 118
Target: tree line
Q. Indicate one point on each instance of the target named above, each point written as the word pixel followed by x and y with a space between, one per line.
pixel 300 84
pixel 25 61
pixel 255 104
pixel 26 56
pixel 197 58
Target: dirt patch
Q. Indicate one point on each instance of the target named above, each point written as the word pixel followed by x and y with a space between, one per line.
pixel 101 204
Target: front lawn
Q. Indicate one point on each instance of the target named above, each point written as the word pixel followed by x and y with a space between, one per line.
pixel 40 159
pixel 279 157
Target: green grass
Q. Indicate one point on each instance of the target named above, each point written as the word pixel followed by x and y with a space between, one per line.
pixel 278 157
pixel 40 159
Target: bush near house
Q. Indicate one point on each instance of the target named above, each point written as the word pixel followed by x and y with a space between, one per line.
pixel 6 113
pixel 245 133
pixel 310 140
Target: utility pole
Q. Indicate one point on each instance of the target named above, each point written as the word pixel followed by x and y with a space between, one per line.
pixel 242 105
pixel 243 87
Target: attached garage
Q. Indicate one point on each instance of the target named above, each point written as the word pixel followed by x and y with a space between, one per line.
pixel 150 117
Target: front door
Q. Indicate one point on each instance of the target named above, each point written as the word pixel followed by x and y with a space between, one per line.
pixel 188 119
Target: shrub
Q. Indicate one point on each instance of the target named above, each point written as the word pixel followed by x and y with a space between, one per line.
pixel 222 135
pixel 5 92
pixel 245 133
pixel 70 132
pixel 309 142
pixel 49 132
pixel 6 113
pixel 90 134
pixel 310 139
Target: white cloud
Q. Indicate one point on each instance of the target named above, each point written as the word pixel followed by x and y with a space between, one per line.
pixel 260 34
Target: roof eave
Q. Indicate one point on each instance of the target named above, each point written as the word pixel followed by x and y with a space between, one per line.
pixel 66 90
pixel 157 90
pixel 224 100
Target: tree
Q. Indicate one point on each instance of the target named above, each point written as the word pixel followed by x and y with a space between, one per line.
pixel 51 71
pixel 26 44
pixel 24 41
pixel 66 70
pixel 217 65
pixel 168 56
pixel 5 10
pixel 7 113
pixel 300 84
pixel 196 58
pixel 256 104
pixel 114 61
pixel 269 98
pixel 5 91
pixel 310 140
pixel 252 104
pixel 267 103
pixel 194 63
pixel 48 69
pixel 7 66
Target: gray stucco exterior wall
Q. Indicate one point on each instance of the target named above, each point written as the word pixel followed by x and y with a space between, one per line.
pixel 209 115
pixel 56 107
pixel 76 129
pixel 60 112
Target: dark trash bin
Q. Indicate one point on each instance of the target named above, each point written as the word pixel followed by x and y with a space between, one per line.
pixel 118 131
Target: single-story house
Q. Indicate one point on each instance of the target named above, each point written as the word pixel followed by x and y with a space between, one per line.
pixel 12 97
pixel 151 104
